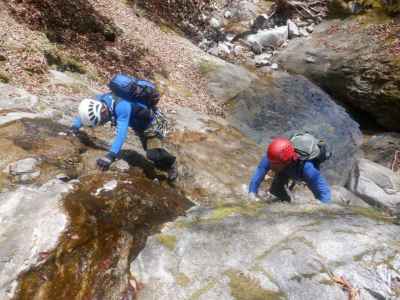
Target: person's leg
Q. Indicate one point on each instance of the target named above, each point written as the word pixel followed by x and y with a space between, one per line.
pixel 278 187
pixel 161 158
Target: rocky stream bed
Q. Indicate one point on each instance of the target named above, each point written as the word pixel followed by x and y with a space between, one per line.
pixel 70 231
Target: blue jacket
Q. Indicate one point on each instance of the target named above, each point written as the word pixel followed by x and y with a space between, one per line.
pixel 124 114
pixel 305 172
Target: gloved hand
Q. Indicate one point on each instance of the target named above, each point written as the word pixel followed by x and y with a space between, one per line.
pixel 73 131
pixel 103 163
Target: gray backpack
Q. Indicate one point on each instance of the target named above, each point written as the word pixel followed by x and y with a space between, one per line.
pixel 308 147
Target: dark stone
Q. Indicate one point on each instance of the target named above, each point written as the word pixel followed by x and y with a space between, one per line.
pixel 354 64
pixel 381 148
pixel 285 104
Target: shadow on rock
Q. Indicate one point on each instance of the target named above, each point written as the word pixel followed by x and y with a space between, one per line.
pixel 135 159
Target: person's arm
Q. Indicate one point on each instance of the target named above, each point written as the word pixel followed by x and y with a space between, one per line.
pixel 259 175
pixel 123 114
pixel 316 183
pixel 76 123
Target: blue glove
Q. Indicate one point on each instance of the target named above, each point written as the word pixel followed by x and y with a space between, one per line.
pixel 103 163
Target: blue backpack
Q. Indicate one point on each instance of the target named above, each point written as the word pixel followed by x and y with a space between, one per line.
pixel 136 90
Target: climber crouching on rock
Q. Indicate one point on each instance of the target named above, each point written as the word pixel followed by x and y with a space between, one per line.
pixel 297 163
pixel 140 114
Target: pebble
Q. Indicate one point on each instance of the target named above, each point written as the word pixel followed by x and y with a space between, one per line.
pixel 215 23
pixel 310 28
pixel 310 59
pixel 227 14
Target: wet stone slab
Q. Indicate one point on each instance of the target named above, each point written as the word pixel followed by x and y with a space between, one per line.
pixel 284 251
pixel 111 217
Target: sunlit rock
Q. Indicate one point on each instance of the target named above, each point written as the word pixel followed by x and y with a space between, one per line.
pixel 377 185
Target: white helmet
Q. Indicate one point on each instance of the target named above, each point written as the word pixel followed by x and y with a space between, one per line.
pixel 90 112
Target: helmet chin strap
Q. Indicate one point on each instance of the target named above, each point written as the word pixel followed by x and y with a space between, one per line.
pixel 110 113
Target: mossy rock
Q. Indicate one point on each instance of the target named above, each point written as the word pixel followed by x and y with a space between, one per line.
pixel 207 66
pixel 111 32
pixel 222 212
pixel 168 241
pixel 246 288
pixel 345 8
pixel 391 8
pixel 339 9
pixel 4 78
pixel 64 62
pixel 196 295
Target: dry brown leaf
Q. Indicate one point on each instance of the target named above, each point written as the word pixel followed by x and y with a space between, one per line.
pixel 353 292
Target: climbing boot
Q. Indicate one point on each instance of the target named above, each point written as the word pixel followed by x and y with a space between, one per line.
pixel 173 172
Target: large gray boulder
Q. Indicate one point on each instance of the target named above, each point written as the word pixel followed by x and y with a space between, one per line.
pixel 31 222
pixel 224 80
pixel 269 252
pixel 377 185
pixel 354 63
pixel 268 38
pixel 281 104
pixel 24 170
pixel 285 104
pixel 381 148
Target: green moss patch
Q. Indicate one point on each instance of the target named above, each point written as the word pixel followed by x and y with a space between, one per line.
pixel 4 78
pixel 196 295
pixel 220 213
pixel 372 213
pixel 168 241
pixel 64 62
pixel 207 66
pixel 246 288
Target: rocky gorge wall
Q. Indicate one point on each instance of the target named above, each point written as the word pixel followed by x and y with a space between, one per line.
pixel 69 231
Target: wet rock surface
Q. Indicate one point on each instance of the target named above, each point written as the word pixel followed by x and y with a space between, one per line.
pixel 216 160
pixel 109 226
pixel 31 222
pixel 83 239
pixel 278 251
pixel 38 140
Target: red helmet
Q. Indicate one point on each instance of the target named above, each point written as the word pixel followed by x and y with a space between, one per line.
pixel 281 152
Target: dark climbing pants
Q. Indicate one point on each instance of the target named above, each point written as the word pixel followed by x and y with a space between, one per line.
pixel 152 144
pixel 279 187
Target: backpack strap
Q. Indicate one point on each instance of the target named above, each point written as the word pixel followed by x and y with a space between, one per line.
pixel 306 145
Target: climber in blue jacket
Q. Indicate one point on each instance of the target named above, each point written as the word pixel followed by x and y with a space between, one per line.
pixel 124 114
pixel 282 158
